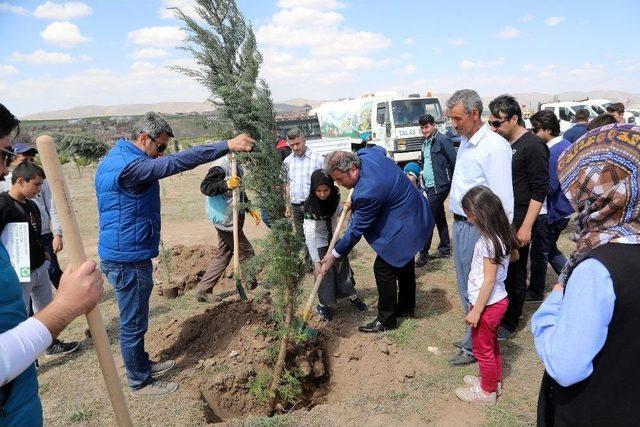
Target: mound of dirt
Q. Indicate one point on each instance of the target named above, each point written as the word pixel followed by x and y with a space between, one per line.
pixel 221 351
pixel 186 266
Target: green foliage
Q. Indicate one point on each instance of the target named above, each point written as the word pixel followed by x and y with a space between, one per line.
pixel 276 421
pixel 404 334
pixel 259 386
pixel 83 149
pixel 81 416
pixel 290 387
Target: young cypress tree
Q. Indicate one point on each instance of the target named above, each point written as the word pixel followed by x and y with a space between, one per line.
pixel 223 45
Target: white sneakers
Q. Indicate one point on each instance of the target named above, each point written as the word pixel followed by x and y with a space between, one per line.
pixel 474 393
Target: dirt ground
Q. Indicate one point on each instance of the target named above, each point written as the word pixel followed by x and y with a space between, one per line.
pixel 395 378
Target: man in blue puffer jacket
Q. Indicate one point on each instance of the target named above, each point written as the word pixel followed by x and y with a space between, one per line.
pixel 128 194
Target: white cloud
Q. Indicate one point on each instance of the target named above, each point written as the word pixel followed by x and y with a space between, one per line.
pixel 8 7
pixel 456 42
pixel 63 34
pixel 409 40
pixel 169 36
pixel 41 57
pixel 407 69
pixel 311 4
pixel 508 33
pixel 437 51
pixel 554 20
pixel 529 67
pixel 149 53
pixel 526 18
pixel 62 11
pixel 142 80
pixel 467 64
pixel 631 68
pixel 8 69
pixel 188 7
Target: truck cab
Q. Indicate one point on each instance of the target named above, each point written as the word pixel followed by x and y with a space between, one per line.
pixel 395 125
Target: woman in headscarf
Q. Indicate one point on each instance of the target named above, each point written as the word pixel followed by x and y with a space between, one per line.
pixel 587 331
pixel 321 211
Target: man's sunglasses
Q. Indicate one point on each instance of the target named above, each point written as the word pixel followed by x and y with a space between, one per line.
pixel 8 156
pixel 496 123
pixel 159 147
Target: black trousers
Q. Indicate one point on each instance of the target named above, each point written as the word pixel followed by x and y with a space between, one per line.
pixel 396 290
pixel 436 203
pixel 516 287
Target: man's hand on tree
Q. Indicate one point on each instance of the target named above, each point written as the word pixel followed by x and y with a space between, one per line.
pixel 242 142
pixel 233 182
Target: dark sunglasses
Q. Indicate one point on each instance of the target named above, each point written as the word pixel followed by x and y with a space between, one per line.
pixel 159 147
pixel 8 156
pixel 496 123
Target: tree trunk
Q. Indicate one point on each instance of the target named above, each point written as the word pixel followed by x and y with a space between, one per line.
pixel 282 354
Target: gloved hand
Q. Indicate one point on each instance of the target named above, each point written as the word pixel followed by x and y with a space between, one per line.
pixel 233 182
pixel 256 216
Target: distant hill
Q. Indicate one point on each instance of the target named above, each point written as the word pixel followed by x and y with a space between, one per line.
pixel 295 105
pixel 292 106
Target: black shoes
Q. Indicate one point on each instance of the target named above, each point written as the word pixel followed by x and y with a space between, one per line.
pixel 376 326
pixel 359 304
pixel 438 255
pixel 59 347
pixel 462 358
pixel 422 260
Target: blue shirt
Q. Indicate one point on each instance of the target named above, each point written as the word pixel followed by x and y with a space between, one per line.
pixel 137 177
pixel 570 331
pixel 427 167
pixel 575 132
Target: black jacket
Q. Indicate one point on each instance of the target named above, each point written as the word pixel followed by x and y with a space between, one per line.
pixel 443 162
pixel 13 211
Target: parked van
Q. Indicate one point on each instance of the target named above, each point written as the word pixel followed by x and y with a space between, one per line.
pixel 566 111
pixel 600 107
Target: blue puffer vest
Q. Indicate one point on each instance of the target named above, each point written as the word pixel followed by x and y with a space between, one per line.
pixel 22 407
pixel 129 223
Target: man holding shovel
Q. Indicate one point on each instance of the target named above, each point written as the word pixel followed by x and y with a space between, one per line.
pixel 128 195
pixel 394 218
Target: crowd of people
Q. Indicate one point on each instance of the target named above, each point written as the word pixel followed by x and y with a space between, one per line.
pixel 511 191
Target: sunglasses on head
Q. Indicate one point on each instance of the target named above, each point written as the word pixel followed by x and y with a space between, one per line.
pixel 8 156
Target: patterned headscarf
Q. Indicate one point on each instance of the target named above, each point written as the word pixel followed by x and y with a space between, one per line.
pixel 600 175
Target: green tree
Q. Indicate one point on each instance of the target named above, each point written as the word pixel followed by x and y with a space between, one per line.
pixel 224 46
pixel 82 149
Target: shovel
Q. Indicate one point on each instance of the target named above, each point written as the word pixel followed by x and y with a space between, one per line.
pixel 73 243
pixel 312 333
pixel 236 249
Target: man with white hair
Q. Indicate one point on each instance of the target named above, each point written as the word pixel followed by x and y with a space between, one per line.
pixel 484 158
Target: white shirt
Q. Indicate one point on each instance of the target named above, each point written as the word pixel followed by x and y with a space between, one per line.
pixel 551 143
pixel 485 159
pixel 482 250
pixel 316 234
pixel 299 170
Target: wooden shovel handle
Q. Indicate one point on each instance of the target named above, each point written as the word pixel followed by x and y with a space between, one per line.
pixel 73 244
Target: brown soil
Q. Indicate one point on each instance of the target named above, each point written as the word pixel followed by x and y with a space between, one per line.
pixel 222 350
pixel 187 265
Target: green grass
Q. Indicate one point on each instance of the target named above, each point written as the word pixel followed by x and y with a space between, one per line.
pixel 404 334
pixel 81 416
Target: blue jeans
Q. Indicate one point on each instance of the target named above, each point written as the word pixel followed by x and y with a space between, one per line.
pixel 132 283
pixel 544 249
pixel 465 236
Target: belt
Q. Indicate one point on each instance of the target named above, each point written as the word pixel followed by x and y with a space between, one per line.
pixel 297 204
pixel 457 217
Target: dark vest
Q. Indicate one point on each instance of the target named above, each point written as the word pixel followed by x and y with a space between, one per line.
pixel 610 396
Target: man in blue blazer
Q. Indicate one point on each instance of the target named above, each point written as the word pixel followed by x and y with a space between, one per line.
pixel 393 217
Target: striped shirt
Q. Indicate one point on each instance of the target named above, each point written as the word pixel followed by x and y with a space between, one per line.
pixel 299 170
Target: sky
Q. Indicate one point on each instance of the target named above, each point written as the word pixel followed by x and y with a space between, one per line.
pixel 57 55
